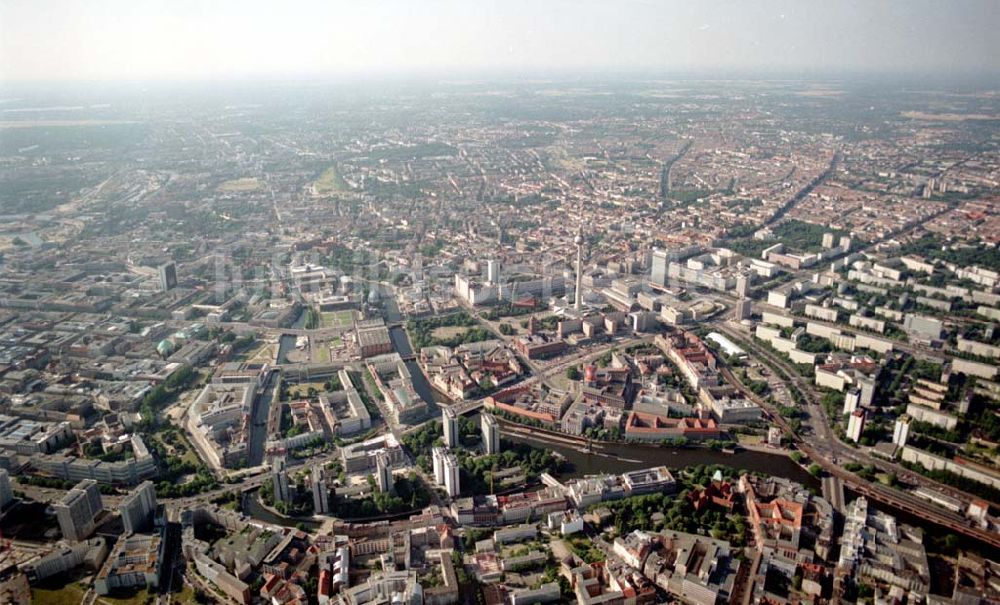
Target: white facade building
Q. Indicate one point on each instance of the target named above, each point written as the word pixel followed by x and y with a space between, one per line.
pixel 491 434
pixel 856 425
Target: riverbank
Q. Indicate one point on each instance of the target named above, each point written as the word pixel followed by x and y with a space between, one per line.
pixel 618 457
pixel 253 506
pixel 589 444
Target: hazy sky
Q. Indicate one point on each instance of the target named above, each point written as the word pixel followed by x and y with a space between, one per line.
pixel 111 39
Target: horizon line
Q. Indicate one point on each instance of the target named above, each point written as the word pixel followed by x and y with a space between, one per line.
pixel 444 75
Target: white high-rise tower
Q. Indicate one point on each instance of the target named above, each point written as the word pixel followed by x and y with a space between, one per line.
pixel 491 434
pixel 449 421
pixel 578 240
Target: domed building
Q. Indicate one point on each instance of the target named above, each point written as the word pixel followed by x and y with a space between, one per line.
pixel 165 348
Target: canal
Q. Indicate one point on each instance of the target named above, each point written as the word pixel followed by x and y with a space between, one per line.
pixel 262 405
pixel 401 343
pixel 258 423
pixel 285 344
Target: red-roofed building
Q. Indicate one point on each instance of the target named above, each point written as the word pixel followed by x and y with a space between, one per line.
pixel 776 523
pixel 651 427
pixel 695 361
pixel 718 494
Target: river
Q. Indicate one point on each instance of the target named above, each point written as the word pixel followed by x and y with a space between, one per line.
pixel 618 458
pixel 613 458
pixel 253 508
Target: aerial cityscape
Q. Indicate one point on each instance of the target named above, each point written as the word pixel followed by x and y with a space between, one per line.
pixel 605 339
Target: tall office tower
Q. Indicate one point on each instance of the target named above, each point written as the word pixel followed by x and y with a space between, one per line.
pixel 138 508
pixel 658 271
pixel 451 478
pixel 851 400
pixel 856 425
pixel 6 493
pixel 437 458
pixel 320 493
pixel 279 480
pixel 77 511
pixel 867 384
pixel 742 286
pixel 168 276
pixel 901 431
pixel 383 473
pixel 449 422
pixel 493 271
pixel 446 470
pixel 491 434
pixel 578 240
pixel 744 309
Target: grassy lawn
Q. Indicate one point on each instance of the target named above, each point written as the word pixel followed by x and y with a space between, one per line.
pixel 448 331
pixel 750 439
pixel 246 184
pixel 560 381
pixel 265 352
pixel 71 593
pixel 337 319
pixel 303 388
pixel 184 597
pixel 330 182
pixel 138 597
pixel 321 354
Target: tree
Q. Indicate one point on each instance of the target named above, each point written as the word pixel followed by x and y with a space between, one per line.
pixel 815 469
pixel 949 543
pixel 865 591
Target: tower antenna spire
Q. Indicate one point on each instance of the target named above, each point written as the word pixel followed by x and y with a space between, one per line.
pixel 578 240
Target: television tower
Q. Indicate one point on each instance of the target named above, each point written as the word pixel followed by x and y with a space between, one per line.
pixel 578 240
